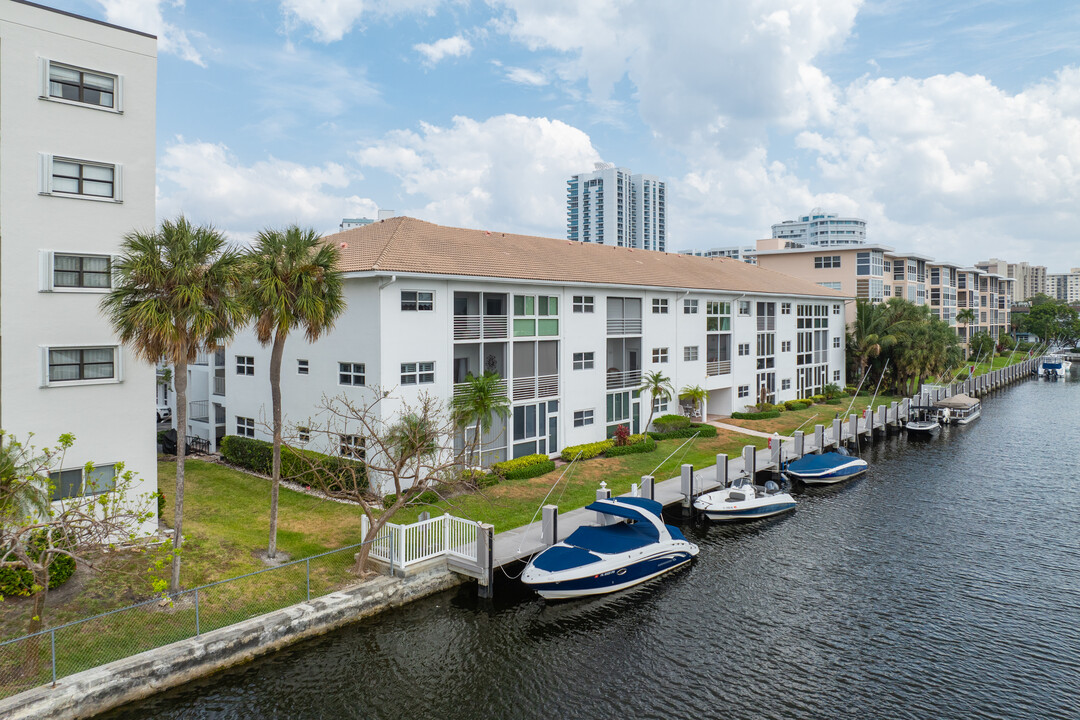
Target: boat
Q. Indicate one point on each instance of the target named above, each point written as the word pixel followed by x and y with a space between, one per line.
pixel 1055 366
pixel 827 468
pixel 922 420
pixel 631 545
pixel 958 409
pixel 745 501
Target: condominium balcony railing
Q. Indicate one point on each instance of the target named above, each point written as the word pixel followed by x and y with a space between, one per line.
pixel 219 385
pixel 623 379
pixel 718 367
pixel 199 411
pixel 537 386
pixel 474 327
pixel 624 326
pixel 500 388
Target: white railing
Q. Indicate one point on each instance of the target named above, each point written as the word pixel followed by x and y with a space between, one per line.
pixel 500 388
pixel 624 326
pixel 720 367
pixel 199 411
pixel 495 326
pixel 537 386
pixel 405 545
pixel 474 327
pixel 623 379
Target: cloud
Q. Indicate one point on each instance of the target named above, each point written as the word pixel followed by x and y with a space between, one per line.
pixel 435 52
pixel 524 76
pixel 147 16
pixel 208 183
pixel 507 172
pixel 331 20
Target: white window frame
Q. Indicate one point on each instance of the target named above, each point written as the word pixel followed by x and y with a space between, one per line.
pixel 303 367
pixel 689 306
pixel 303 434
pixel 352 374
pixel 584 360
pixel 417 301
pixel 55 481
pixel 785 308
pixel 584 304
pixel 47 272
pixel 785 384
pixel 245 426
pixel 744 349
pixel 660 306
pixel 836 342
pixel 245 365
pixel 45 91
pixel 745 308
pixel 660 404
pixel 45 181
pixel 744 391
pixel 690 353
pixel 660 355
pixel 785 346
pixel 118 366
pixel 584 418
pixel 418 373
pixel 352 446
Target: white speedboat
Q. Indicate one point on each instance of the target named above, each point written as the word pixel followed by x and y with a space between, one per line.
pixel 958 409
pixel 1055 367
pixel 633 546
pixel 827 468
pixel 745 501
pixel 922 420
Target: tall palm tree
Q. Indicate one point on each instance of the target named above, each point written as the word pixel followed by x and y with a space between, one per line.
pixel 696 394
pixel 482 397
pixel 967 316
pixel 292 282
pixel 656 384
pixel 176 293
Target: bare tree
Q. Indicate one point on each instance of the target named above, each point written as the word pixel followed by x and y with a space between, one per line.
pixel 403 450
pixel 35 532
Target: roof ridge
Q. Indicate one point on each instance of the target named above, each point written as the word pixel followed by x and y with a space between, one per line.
pixel 389 242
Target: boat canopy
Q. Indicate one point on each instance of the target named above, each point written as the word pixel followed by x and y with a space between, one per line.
pixel 824 461
pixel 957 402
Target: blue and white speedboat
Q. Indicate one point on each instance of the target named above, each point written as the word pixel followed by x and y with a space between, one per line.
pixel 744 501
pixel 826 468
pixel 1055 366
pixel 634 545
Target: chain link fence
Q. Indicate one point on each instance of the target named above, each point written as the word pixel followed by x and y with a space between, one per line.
pixel 50 654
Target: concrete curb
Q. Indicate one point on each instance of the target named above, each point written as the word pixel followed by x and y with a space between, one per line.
pixel 109 686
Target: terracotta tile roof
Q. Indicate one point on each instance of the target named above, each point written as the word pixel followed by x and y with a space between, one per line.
pixel 405 245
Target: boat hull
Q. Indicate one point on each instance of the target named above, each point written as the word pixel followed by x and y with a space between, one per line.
pixel 612 579
pixel 764 511
pixel 854 468
pixel 923 428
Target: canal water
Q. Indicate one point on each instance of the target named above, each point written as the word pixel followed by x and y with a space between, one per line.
pixel 945 583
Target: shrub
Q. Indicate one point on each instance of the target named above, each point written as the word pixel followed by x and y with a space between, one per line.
pixel 851 390
pixel 296 465
pixel 428 497
pixel 830 391
pixel 797 404
pixel 644 445
pixel 832 401
pixel 18 580
pixel 756 415
pixel 700 430
pixel 668 423
pixel 521 468
pixel 248 453
pixel 621 437
pixel 818 398
pixel 160 504
pixel 478 478
pixel 588 450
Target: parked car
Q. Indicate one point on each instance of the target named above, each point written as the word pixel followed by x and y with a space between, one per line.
pixel 164 413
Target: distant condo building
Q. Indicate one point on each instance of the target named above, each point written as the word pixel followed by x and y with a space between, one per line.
pixel 1064 286
pixel 609 206
pixel 350 223
pixel 1030 279
pixel 822 228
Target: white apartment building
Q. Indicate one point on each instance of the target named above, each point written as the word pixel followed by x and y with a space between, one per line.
pixel 1030 280
pixel 746 253
pixel 611 206
pixel 572 327
pixel 822 228
pixel 1064 286
pixel 77 105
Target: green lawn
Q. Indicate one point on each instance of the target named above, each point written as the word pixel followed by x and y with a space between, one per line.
pixel 792 420
pixel 997 362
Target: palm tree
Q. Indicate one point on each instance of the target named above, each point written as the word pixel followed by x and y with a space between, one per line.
pixel 176 293
pixel 482 397
pixel 20 499
pixel 967 316
pixel 292 282
pixel 696 394
pixel 656 384
pixel 413 438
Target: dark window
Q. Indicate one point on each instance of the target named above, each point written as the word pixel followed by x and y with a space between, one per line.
pixel 245 427
pixel 352 446
pixel 301 367
pixel 81 364
pixel 417 300
pixel 79 178
pixel 81 271
pixel 417 373
pixel 350 373
pixel 245 365
pixel 81 86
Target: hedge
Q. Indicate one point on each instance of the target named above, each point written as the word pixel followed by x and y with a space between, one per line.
pixel 588 450
pixel 258 456
pixel 15 580
pixel 521 468
pixel 797 404
pixel 695 428
pixel 428 497
pixel 832 401
pixel 756 415
pixel 818 398
pixel 668 423
pixel 642 446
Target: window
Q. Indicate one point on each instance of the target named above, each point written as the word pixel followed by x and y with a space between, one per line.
pixel 70 483
pixel 785 346
pixel 301 367
pixel 690 353
pixel 785 308
pixel 717 316
pixel 831 285
pixel 826 262
pixel 82 86
pixel 245 426
pixel 583 303
pixel 659 355
pixel 744 391
pixel 836 342
pixel 350 373
pixel 66 176
pixel 583 361
pixel 689 307
pixel 352 446
pixel 785 384
pixel 744 308
pixel 245 365
pixel 660 404
pixel 744 349
pixel 82 271
pixel 836 376
pixel 660 306
pixel 417 300
pixel 68 364
pixel 835 309
pixel 537 315
pixel 303 434
pixel 869 263
pixel 417 373
pixel 583 418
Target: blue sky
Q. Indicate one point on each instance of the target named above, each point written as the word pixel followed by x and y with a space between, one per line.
pixel 953 128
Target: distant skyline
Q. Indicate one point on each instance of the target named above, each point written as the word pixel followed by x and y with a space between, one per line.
pixel 953 131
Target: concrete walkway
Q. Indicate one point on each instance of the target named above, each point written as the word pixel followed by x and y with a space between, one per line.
pixel 740 430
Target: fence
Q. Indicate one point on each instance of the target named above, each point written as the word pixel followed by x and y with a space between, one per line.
pixel 43 657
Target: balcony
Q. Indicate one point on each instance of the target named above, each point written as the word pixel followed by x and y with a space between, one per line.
pixel 475 327
pixel 199 411
pixel 624 326
pixel 219 385
pixel 500 388
pixel 623 379
pixel 537 386
pixel 718 367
